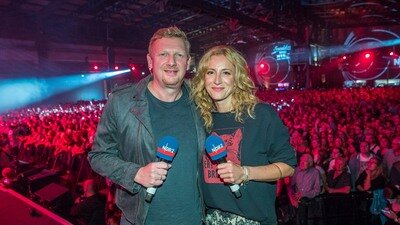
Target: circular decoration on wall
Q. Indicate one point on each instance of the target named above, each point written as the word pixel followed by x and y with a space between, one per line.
pixel 367 57
pixel 272 63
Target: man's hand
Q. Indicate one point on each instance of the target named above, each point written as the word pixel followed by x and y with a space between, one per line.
pixel 153 174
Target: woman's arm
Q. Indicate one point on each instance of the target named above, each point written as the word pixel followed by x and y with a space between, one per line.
pixel 233 173
pixel 271 172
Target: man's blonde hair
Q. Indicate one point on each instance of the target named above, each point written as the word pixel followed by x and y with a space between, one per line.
pixel 170 32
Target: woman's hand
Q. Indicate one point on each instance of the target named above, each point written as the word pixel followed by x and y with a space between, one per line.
pixel 389 214
pixel 230 172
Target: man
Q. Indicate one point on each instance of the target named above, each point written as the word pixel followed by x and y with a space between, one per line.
pixel 134 120
pixel 391 156
pixel 358 163
pixel 394 176
pixel 89 208
pixel 305 185
pixel 372 142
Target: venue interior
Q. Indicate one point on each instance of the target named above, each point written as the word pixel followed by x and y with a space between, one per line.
pixel 330 69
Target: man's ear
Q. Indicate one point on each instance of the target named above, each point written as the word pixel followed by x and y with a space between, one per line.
pixel 149 62
pixel 188 63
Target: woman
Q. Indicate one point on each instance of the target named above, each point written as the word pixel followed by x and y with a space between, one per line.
pixel 371 183
pixel 372 177
pixel 338 180
pixel 259 152
pixel 335 153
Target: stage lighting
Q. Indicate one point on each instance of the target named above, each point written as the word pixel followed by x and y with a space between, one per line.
pixel 367 55
pixel 344 57
pixel 391 53
pixel 116 67
pixel 132 67
pixel 96 67
pixel 262 65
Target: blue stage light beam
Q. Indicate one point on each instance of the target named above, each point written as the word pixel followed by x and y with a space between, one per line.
pixel 17 93
pixel 356 46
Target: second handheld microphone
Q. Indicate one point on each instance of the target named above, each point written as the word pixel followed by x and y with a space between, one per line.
pixel 215 148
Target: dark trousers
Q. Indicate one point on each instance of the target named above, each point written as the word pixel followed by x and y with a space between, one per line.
pixel 307 211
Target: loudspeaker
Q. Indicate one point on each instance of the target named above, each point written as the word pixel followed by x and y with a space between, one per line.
pixel 54 197
pixel 31 172
pixel 21 166
pixel 41 179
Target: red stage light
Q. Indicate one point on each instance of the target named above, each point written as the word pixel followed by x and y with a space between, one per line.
pixel 133 68
pixel 116 67
pixel 367 55
pixel 344 57
pixel 391 53
pixel 96 67
pixel 262 65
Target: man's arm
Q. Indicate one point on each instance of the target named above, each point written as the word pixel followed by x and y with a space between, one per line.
pixel 104 157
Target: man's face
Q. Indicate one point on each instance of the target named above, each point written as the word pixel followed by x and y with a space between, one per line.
pixel 304 164
pixel 168 61
pixel 364 148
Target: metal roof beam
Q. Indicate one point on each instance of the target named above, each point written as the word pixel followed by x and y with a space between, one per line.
pixel 229 13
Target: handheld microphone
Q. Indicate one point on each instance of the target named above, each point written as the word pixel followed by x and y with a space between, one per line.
pixel 166 151
pixel 215 148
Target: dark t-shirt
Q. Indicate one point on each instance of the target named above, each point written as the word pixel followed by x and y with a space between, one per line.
pixel 377 183
pixel 177 201
pixel 344 179
pixel 257 142
pixel 91 210
pixel 394 175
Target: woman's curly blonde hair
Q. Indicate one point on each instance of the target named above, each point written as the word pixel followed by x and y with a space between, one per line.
pixel 243 97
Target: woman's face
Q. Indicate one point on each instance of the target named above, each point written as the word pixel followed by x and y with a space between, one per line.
pixel 338 142
pixel 372 164
pixel 352 149
pixel 340 164
pixel 315 143
pixel 335 153
pixel 384 142
pixel 220 82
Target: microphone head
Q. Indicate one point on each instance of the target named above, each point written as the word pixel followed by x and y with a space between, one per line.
pixel 215 147
pixel 167 148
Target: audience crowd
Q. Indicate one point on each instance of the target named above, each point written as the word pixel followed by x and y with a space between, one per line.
pixel 347 142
